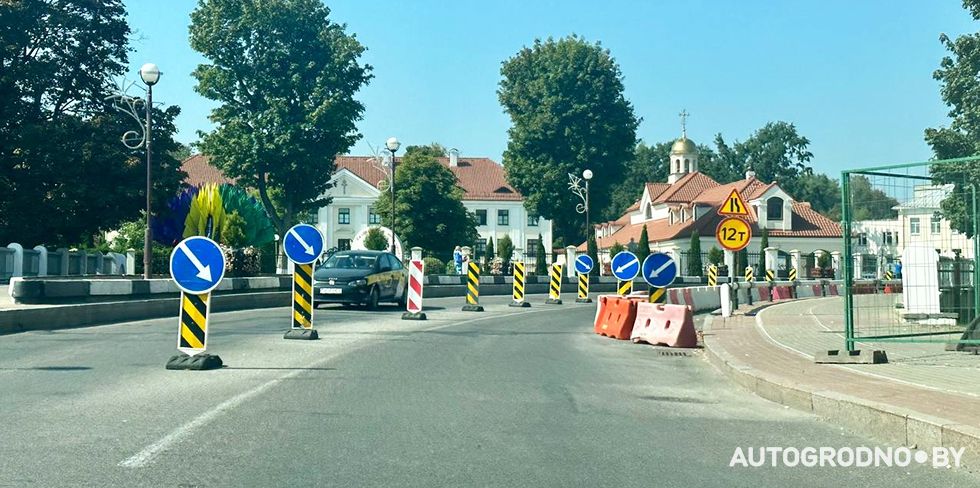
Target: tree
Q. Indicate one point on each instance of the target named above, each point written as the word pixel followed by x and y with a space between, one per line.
pixel 60 153
pixel 490 251
pixel 615 249
pixel 540 260
pixel 506 251
pixel 958 76
pixel 868 203
pixel 429 209
pixel 643 247
pixel 776 152
pixel 568 113
pixel 284 76
pixel 593 251
pixel 822 192
pixel 715 256
pixel 233 231
pixel 375 240
pixel 694 265
pixel 649 164
pixel 763 244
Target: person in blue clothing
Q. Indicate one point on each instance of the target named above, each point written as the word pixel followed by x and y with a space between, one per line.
pixel 458 259
pixel 898 269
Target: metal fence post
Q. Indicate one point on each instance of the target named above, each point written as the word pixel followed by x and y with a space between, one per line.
pixel 18 269
pixel 845 179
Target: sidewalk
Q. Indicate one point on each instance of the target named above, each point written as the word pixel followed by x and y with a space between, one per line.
pixel 925 397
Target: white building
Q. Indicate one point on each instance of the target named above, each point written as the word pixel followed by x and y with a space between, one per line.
pixel 498 207
pixel 922 224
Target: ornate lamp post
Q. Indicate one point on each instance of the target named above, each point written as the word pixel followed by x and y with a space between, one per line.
pixel 575 185
pixel 392 145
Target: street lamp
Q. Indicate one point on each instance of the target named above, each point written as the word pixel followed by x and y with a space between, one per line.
pixel 575 185
pixel 392 145
pixel 150 74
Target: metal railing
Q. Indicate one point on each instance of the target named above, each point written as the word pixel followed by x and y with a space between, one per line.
pixel 32 262
pixel 6 263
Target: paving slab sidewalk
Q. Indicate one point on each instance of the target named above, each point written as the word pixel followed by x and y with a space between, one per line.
pixel 900 403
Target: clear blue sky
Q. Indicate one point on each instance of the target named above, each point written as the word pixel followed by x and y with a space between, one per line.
pixel 854 76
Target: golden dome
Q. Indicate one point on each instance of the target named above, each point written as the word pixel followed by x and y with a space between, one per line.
pixel 683 146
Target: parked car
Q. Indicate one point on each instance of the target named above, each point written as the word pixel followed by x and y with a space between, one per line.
pixel 360 278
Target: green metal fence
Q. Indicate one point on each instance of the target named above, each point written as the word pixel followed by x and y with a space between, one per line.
pixel 915 278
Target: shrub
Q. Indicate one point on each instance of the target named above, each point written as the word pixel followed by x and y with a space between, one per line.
pixel 241 262
pixel 433 266
pixel 450 268
pixel 375 240
pixel 715 256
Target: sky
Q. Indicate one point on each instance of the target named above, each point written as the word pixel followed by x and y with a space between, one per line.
pixel 855 77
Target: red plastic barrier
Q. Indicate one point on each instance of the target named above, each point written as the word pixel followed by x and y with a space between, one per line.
pixel 672 295
pixel 670 325
pixel 817 290
pixel 832 290
pixel 764 293
pixel 782 292
pixel 617 317
pixel 688 299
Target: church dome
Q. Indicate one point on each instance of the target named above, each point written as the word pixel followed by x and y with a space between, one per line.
pixel 683 146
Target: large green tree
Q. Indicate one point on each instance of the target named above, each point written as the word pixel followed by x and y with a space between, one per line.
pixel 959 77
pixel 776 152
pixel 429 210
pixel 868 202
pixel 284 76
pixel 60 153
pixel 568 113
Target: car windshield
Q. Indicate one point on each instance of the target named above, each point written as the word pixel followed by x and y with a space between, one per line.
pixel 350 261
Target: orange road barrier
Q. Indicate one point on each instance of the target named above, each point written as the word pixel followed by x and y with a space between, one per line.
pixel 670 325
pixel 615 318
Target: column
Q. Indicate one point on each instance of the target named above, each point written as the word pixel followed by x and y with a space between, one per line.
pixel 18 259
pixel 770 258
pixel 570 261
pixel 835 263
pixel 42 264
pixel 130 262
pixel 858 265
pixel 797 262
pixel 730 263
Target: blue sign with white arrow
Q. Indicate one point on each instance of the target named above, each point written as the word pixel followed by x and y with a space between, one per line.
pixel 197 265
pixel 583 264
pixel 625 266
pixel 659 269
pixel 303 243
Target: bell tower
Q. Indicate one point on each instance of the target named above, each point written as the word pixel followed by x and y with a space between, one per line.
pixel 683 154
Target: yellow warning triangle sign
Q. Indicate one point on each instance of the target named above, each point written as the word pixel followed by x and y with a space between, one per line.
pixel 734 205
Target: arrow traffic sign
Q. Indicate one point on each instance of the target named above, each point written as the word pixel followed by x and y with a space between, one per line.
pixel 625 266
pixel 733 234
pixel 197 265
pixel 734 205
pixel 583 264
pixel 303 243
pixel 659 269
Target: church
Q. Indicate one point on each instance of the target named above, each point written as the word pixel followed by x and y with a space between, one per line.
pixel 689 200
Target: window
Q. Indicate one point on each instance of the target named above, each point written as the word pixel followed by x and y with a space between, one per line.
pixel 862 239
pixel 886 237
pixel 774 208
pixel 914 226
pixel 481 217
pixel 649 211
pixel 503 217
pixel 480 249
pixel 532 247
pixel 343 216
pixel 343 244
pixel 935 222
pixel 373 217
pixel 532 221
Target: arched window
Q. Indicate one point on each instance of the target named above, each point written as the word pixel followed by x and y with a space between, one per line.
pixel 649 212
pixel 687 165
pixel 774 209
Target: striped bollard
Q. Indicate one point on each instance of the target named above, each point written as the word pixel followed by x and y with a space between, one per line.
pixel 770 279
pixel 792 274
pixel 413 297
pixel 554 288
pixel 712 275
pixel 624 288
pixel 583 289
pixel 889 275
pixel 302 323
pixel 519 286
pixel 749 274
pixel 473 289
pixel 657 295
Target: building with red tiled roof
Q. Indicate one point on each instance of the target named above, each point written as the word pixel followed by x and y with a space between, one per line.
pixel 689 202
pixel 200 171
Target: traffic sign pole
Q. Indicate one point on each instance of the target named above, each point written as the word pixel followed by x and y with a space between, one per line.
pixel 303 245
pixel 197 266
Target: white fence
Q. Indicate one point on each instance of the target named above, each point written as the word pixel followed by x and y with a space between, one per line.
pixel 16 261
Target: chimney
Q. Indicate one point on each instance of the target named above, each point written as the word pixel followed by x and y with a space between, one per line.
pixel 749 174
pixel 453 157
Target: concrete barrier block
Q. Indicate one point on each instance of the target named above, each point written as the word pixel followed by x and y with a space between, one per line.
pixel 163 286
pixel 110 287
pixel 66 288
pixel 966 437
pixel 858 416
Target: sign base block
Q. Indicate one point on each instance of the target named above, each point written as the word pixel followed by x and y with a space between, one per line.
pixel 302 334
pixel 583 300
pixel 413 316
pixel 861 356
pixel 472 308
pixel 197 362
pixel 519 304
pixel 553 301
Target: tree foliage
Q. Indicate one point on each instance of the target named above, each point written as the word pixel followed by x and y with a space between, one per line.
pixel 568 113
pixel 643 246
pixel 60 153
pixel 375 240
pixel 869 203
pixel 593 251
pixel 429 210
pixel 694 265
pixel 490 252
pixel 615 249
pixel 284 76
pixel 540 258
pixel 506 248
pixel 763 244
pixel 715 255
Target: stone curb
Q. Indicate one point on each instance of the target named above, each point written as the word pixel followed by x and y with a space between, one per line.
pixel 891 424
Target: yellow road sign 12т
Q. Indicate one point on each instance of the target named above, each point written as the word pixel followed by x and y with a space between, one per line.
pixel 733 234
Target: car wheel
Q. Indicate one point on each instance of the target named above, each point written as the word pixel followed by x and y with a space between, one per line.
pixel 372 303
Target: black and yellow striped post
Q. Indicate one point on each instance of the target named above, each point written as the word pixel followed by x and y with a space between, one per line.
pixel 889 275
pixel 192 335
pixel 770 276
pixel 473 289
pixel 519 286
pixel 792 274
pixel 302 316
pixel 624 288
pixel 749 274
pixel 657 295
pixel 554 288
pixel 583 288
pixel 712 275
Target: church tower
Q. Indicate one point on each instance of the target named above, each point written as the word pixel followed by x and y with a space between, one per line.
pixel 683 154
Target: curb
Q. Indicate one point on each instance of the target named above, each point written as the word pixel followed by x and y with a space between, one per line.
pixel 888 423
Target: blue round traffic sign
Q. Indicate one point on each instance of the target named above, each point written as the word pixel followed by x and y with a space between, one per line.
pixel 659 269
pixel 197 265
pixel 303 243
pixel 625 266
pixel 583 264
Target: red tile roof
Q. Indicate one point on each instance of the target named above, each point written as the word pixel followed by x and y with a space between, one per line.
pixel 687 188
pixel 200 171
pixel 655 190
pixel 480 178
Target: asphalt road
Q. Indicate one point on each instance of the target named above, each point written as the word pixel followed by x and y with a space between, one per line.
pixel 509 397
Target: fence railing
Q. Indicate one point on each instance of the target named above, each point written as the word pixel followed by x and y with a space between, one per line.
pixel 17 261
